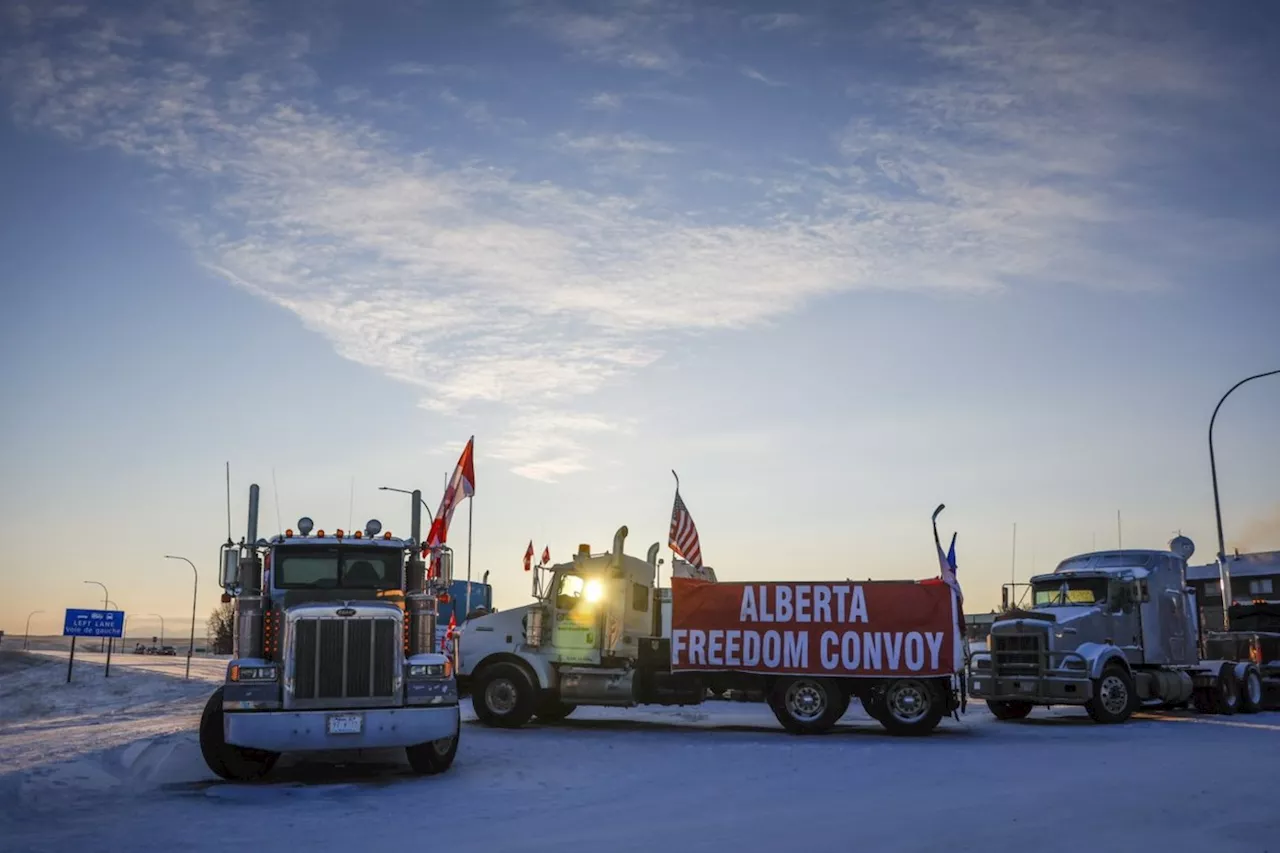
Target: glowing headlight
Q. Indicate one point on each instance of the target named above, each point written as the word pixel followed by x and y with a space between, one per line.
pixel 429 670
pixel 593 592
pixel 253 673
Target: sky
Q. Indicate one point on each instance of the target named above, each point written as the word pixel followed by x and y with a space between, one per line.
pixel 834 264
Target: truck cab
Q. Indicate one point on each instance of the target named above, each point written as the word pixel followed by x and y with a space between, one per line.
pixel 1107 630
pixel 334 649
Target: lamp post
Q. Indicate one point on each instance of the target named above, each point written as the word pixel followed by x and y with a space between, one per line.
pixel 102 648
pixel 26 639
pixel 430 517
pixel 1224 578
pixel 194 589
pixel 161 618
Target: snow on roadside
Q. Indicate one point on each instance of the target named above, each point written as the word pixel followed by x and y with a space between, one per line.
pixel 93 734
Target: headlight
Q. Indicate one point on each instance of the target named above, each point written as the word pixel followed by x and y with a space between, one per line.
pixel 253 673
pixel 1074 664
pixel 429 670
pixel 982 663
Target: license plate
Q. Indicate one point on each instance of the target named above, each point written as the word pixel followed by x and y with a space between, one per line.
pixel 345 724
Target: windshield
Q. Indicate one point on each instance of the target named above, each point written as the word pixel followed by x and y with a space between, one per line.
pixel 1069 591
pixel 363 568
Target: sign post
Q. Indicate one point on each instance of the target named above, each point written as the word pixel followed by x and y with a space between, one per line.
pixel 108 624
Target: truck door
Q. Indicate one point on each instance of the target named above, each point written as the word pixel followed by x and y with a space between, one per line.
pixel 576 634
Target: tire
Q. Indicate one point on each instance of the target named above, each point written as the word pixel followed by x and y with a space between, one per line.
pixel 1226 691
pixel 504 696
pixel 1114 696
pixel 805 705
pixel 912 707
pixel 435 756
pixel 1251 694
pixel 233 763
pixel 1009 710
pixel 552 710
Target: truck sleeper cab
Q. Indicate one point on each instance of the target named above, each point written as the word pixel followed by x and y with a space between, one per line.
pixel 334 650
pixel 1109 631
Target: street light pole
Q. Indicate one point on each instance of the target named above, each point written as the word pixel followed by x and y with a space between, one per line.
pixel 1224 579
pixel 161 618
pixel 430 517
pixel 194 590
pixel 26 639
pixel 102 648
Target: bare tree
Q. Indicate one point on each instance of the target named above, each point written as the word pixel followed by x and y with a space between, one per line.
pixel 221 626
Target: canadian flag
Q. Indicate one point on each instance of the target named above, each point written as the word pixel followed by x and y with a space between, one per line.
pixel 528 557
pixel 546 555
pixel 446 645
pixel 461 485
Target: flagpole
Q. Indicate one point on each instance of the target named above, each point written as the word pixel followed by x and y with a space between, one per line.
pixel 470 501
pixel 669 545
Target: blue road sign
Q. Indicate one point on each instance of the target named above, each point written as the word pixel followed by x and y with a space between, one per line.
pixel 94 623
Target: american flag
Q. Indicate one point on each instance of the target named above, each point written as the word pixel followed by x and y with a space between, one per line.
pixel 684 534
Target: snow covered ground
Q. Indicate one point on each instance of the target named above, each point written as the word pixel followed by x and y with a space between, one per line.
pixel 113 764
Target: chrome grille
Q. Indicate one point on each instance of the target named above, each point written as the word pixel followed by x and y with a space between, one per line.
pixel 1016 654
pixel 344 661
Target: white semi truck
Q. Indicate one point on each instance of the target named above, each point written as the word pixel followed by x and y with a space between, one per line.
pixel 600 633
pixel 1113 631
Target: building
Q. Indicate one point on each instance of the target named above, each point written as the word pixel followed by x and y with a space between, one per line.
pixel 1254 577
pixel 978 625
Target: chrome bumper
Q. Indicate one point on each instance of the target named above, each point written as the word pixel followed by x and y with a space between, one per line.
pixel 301 731
pixel 1047 689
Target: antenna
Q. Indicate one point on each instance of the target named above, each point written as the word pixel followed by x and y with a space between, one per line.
pixel 1119 533
pixel 276 491
pixel 351 510
pixel 229 502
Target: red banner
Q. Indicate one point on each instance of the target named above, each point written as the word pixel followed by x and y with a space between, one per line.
pixel 865 629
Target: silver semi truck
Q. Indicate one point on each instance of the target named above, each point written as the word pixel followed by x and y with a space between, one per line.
pixel 1113 631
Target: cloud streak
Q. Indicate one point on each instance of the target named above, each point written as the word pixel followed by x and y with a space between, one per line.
pixel 537 292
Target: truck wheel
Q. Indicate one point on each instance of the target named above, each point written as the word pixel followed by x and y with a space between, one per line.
pixel 504 696
pixel 233 763
pixel 434 756
pixel 1226 690
pixel 552 710
pixel 912 707
pixel 1114 697
pixel 1251 690
pixel 1009 710
pixel 806 706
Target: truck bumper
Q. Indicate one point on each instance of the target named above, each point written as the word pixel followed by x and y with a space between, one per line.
pixel 301 731
pixel 1042 690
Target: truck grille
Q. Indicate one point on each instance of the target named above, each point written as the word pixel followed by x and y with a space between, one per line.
pixel 1016 654
pixel 345 659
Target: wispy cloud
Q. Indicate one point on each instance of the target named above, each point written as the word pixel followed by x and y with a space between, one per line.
pixel 631 35
pixel 759 77
pixel 775 21
pixel 604 101
pixel 483 286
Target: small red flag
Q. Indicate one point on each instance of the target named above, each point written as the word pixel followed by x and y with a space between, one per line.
pixel 546 555
pixel 528 557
